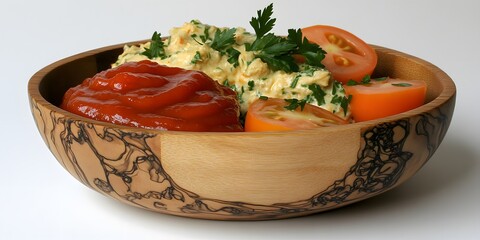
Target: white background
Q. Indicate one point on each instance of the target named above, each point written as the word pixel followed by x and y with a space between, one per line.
pixel 40 200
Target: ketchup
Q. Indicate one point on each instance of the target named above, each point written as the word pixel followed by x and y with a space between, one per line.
pixel 149 95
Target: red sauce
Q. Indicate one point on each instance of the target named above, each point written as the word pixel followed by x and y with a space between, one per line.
pixel 149 95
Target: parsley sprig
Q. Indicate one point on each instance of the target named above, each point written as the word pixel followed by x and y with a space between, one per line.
pixel 312 52
pixel 263 23
pixel 223 39
pixel 277 51
pixel 223 42
pixel 156 47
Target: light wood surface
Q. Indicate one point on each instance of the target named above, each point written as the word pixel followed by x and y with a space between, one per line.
pixel 241 176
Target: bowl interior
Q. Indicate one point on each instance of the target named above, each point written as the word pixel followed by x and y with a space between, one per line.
pixel 72 71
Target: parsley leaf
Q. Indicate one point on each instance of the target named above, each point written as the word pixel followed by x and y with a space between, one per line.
pixel 366 79
pixel 206 35
pixel 231 86
pixel 156 47
pixel 271 44
pixel 285 63
pixel 295 103
pixel 223 42
pixel 251 85
pixel 352 82
pixel 196 58
pixel 344 101
pixel 380 79
pixel 401 84
pixel 312 52
pixel 337 87
pixel 278 46
pixel 263 97
pixel 277 51
pixel 240 95
pixel 263 24
pixel 317 93
pixel 203 38
pixel 223 39
pixel 233 56
pixel 295 81
pixel 309 70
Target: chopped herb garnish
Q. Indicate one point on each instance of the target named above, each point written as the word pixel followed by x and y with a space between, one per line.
pixel 263 97
pixel 234 88
pixel 295 81
pixel 194 37
pixel 401 84
pixel 336 99
pixel 317 93
pixel 240 95
pixel 344 104
pixel 196 22
pixel 251 85
pixel 309 70
pixel 223 42
pixel 337 87
pixel 206 34
pixel 156 47
pixel 365 80
pixel 231 86
pixel 351 83
pixel 295 103
pixel 233 56
pixel 204 37
pixel 196 58
pixel 343 101
pixel 380 79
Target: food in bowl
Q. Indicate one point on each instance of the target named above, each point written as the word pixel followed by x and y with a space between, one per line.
pixel 383 97
pixel 257 67
pixel 241 176
pixel 146 94
pixel 239 63
pixel 261 66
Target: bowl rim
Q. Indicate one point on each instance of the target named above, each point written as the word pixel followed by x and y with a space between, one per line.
pixel 448 91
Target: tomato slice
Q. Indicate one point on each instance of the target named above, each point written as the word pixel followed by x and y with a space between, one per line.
pixel 271 115
pixel 348 57
pixel 385 98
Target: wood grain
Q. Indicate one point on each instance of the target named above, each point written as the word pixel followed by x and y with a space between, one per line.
pixel 241 176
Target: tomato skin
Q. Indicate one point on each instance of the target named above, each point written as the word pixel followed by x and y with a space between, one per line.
pixel 271 115
pixel 382 98
pixel 348 57
pixel 149 95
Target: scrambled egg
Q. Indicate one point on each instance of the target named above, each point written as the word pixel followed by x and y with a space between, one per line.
pixel 251 79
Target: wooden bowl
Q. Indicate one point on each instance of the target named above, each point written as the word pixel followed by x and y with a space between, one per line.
pixel 241 176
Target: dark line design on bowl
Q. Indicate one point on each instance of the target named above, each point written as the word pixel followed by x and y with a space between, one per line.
pixel 381 162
